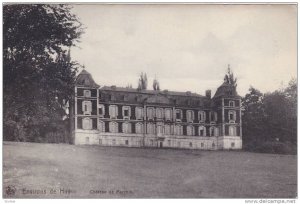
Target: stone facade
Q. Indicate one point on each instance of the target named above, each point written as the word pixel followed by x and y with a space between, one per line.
pixel 115 116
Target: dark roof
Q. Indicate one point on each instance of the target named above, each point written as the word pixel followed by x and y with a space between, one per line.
pixel 86 79
pixel 133 90
pixel 226 90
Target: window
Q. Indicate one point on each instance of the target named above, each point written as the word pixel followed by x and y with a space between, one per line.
pixel 113 111
pixel 126 128
pixel 101 126
pixel 87 124
pixel 87 93
pixel 168 129
pixel 232 116
pixel 190 130
pixel 126 142
pixel 87 140
pixel 113 127
pixel 169 143
pixel 232 144
pixel 202 144
pixel 178 130
pixel 159 113
pixel 232 130
pixel 213 145
pixel 87 107
pixel 150 128
pixel 168 114
pixel 231 103
pixel 202 131
pixel 126 112
pixel 139 113
pixel 150 113
pixel 139 128
pixel 190 116
pixel 178 115
pixel 214 131
pixel 213 116
pixel 178 144
pixel 101 110
pixel 191 144
pixel 151 142
pixel 201 116
pixel 114 142
pixel 100 141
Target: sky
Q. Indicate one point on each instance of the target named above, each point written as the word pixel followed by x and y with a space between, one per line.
pixel 189 47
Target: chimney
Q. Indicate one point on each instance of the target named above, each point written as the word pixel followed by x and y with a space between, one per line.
pixel 208 93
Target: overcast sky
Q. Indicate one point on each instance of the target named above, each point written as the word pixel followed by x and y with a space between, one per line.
pixel 188 47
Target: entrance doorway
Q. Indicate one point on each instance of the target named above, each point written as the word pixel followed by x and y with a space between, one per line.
pixel 160 144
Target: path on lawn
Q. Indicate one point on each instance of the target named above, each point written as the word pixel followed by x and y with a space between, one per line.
pixel 115 172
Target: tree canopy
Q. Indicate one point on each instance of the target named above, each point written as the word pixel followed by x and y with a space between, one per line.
pixel 38 74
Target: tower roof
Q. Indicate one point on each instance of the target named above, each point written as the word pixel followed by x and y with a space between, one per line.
pixel 226 90
pixel 86 79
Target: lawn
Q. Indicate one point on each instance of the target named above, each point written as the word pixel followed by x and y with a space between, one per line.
pixel 68 171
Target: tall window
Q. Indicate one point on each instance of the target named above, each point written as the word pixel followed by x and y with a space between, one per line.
pixel 168 114
pixel 201 116
pixel 139 128
pixel 101 126
pixel 213 116
pixel 159 113
pixel 232 130
pixel 139 113
pixel 87 93
pixel 190 116
pixel 101 110
pixel 150 128
pixel 113 111
pixel 126 128
pixel 178 130
pixel 178 115
pixel 113 127
pixel 202 131
pixel 232 116
pixel 87 124
pixel 214 131
pixel 87 107
pixel 150 113
pixel 126 112
pixel 168 129
pixel 231 103
pixel 190 130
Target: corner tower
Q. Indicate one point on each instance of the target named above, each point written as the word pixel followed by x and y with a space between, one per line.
pixel 85 117
pixel 227 102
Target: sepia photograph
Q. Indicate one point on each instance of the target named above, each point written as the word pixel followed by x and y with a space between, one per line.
pixel 149 100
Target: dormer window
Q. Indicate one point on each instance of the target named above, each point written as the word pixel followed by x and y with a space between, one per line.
pixel 231 103
pixel 87 93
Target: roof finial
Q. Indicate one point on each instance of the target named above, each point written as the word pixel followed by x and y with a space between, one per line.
pixel 83 66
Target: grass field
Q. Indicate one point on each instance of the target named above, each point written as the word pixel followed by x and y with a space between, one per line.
pixel 112 172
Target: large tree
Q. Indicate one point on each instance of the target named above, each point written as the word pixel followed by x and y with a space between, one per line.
pixel 38 74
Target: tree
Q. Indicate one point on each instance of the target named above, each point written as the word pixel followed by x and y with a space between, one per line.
pixel 229 78
pixel 37 71
pixel 156 85
pixel 143 82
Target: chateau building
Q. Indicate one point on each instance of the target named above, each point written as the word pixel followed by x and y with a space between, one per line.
pixel 115 116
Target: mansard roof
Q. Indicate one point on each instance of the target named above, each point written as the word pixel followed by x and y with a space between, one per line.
pixel 86 79
pixel 226 90
pixel 165 97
